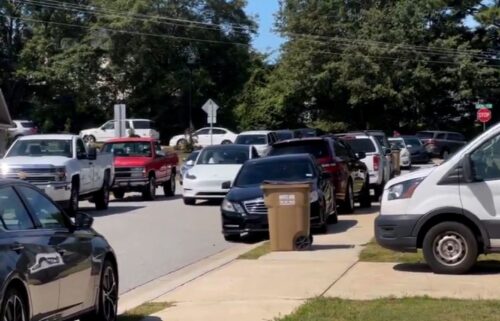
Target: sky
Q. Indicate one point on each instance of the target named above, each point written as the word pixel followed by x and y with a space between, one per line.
pixel 266 41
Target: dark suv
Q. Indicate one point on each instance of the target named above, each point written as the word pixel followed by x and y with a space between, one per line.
pixel 349 175
pixel 441 143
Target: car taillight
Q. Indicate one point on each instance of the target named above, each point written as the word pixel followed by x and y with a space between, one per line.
pixel 376 162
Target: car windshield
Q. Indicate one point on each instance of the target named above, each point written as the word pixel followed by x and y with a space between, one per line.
pixel 399 143
pixel 414 142
pixel 290 170
pixel 41 147
pixel 317 148
pixel 143 124
pixel 129 149
pixel 284 135
pixel 251 139
pixel 361 145
pixel 223 156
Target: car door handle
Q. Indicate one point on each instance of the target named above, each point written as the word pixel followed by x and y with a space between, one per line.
pixel 17 247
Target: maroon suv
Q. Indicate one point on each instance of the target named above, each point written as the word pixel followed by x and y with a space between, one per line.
pixel 349 174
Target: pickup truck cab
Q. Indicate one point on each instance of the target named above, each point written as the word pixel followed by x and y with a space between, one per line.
pixel 63 167
pixel 450 211
pixel 141 166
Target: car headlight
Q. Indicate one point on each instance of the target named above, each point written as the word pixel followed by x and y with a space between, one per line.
pixel 404 190
pixel 313 196
pixel 232 207
pixel 190 176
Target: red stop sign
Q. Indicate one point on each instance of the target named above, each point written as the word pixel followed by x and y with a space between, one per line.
pixel 484 115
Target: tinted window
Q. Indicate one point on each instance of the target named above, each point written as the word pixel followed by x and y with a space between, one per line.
pixel 457 137
pixel 284 135
pixel 159 151
pixel 192 156
pixel 205 131
pixel 425 135
pixel 213 156
pixel 318 149
pixel 129 149
pixel 362 145
pixel 414 142
pixel 251 140
pixel 81 151
pixel 13 214
pixel 217 131
pixel 27 124
pixel 288 171
pixel 340 150
pixel 47 213
pixel 441 136
pixel 40 147
pixel 486 160
pixel 143 124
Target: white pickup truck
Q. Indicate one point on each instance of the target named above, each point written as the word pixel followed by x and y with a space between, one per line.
pixel 63 167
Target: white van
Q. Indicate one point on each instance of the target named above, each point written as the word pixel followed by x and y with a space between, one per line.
pixel 450 211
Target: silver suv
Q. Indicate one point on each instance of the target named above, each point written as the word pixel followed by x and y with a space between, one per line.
pixel 22 128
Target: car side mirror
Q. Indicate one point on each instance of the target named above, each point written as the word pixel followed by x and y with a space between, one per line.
pixel 83 221
pixel 92 153
pixel 190 162
pixel 361 155
pixel 467 171
pixel 226 185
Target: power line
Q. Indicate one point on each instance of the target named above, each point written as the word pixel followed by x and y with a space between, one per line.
pixel 137 33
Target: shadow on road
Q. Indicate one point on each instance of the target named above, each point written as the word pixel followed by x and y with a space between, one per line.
pixel 481 268
pixel 375 208
pixel 341 226
pixel 137 317
pixel 114 210
pixel 138 199
pixel 320 247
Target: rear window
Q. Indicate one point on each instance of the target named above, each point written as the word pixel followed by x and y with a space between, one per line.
pixel 143 124
pixel 318 149
pixel 284 135
pixel 251 139
pixel 27 124
pixel 457 137
pixel 425 135
pixel 361 145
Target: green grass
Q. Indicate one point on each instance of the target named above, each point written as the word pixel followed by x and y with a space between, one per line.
pixel 408 309
pixel 256 252
pixel 144 311
pixel 375 253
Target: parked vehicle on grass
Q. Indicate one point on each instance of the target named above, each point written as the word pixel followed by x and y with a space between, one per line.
pixel 21 128
pixel 417 150
pixel 139 127
pixel 349 174
pixel 52 268
pixel 214 168
pixel 378 165
pixel 262 140
pixel 202 137
pixel 188 164
pixel 63 167
pixel 441 143
pixel 449 211
pixel 404 153
pixel 141 166
pixel 285 134
pixel 243 210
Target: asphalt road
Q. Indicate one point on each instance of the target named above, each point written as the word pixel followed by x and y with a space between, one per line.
pixel 152 239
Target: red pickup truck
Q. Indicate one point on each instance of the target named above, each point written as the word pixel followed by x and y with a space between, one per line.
pixel 141 166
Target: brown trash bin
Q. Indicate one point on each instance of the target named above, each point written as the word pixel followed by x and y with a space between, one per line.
pixel 288 215
pixel 396 160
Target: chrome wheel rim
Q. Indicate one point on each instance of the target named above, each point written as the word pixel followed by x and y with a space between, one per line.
pixel 14 309
pixel 450 248
pixel 109 294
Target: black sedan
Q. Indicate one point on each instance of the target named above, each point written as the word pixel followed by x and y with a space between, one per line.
pixel 243 209
pixel 52 268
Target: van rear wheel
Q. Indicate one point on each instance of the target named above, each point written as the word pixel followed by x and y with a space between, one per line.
pixel 450 248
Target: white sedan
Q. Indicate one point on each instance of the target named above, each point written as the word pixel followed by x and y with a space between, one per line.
pixel 203 138
pixel 214 171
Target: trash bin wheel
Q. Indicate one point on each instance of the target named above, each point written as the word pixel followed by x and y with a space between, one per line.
pixel 303 243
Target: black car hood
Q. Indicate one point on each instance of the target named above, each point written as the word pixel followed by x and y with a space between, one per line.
pixel 240 194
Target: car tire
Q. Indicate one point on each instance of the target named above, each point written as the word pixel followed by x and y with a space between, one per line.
pixel 232 237
pixel 170 186
pixel 379 190
pixel 89 139
pixel 347 206
pixel 189 201
pixel 74 199
pixel 450 248
pixel 181 144
pixel 149 192
pixel 108 296
pixel 365 199
pixel 14 300
pixel 119 194
pixel 101 198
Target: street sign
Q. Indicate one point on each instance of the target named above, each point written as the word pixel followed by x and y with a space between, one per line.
pixel 210 107
pixel 120 116
pixel 484 105
pixel 484 115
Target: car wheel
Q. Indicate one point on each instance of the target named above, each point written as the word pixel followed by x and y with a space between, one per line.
pixel 232 237
pixel 74 199
pixel 379 190
pixel 14 306
pixel 365 198
pixel 108 296
pixel 181 144
pixel 189 201
pixel 450 248
pixel 89 139
pixel 348 203
pixel 226 142
pixel 119 194
pixel 102 196
pixel 149 193
pixel 170 186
